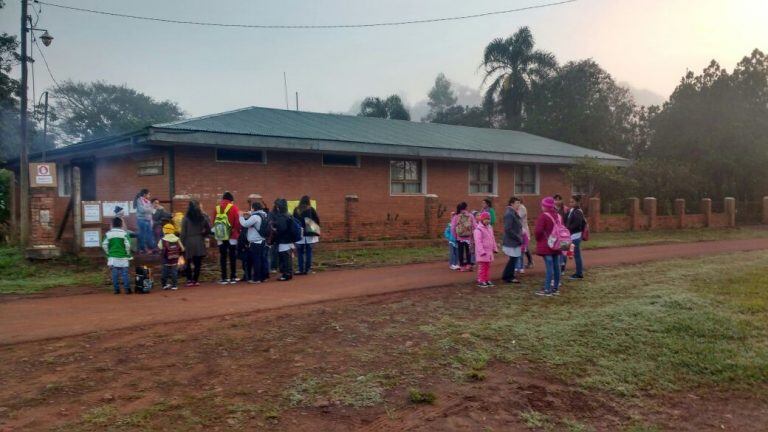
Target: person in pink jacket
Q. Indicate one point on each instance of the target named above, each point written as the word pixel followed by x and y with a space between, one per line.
pixel 485 247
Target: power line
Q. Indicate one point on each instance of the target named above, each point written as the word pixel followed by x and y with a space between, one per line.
pixel 299 26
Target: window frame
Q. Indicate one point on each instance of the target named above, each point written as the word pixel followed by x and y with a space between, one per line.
pixel 262 162
pixel 422 165
pixel 494 179
pixel 536 180
pixel 63 184
pixel 356 165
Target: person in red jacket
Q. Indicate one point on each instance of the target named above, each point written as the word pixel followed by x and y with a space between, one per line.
pixel 228 248
pixel 545 224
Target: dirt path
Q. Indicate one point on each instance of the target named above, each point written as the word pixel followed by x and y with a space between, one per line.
pixel 44 318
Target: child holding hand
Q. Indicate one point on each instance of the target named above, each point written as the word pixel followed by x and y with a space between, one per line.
pixel 485 247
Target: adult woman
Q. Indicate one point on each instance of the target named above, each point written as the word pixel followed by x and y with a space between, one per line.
pixel 545 225
pixel 513 240
pixel 487 207
pixel 575 223
pixel 160 217
pixel 284 238
pixel 144 210
pixel 195 227
pixel 304 213
pixel 523 212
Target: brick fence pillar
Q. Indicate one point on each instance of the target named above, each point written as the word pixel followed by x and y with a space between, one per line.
pixel 593 217
pixel 730 211
pixel 351 223
pixel 649 208
pixel 706 210
pixel 42 240
pixel 680 212
pixel 765 210
pixel 431 227
pixel 633 210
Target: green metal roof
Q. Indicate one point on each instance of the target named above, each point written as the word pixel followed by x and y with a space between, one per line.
pixel 369 136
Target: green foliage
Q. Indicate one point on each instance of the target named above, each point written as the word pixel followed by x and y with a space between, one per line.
pixel 513 67
pixel 441 97
pixel 389 108
pixel 98 109
pixel 464 116
pixel 19 276
pixel 421 397
pixel 5 200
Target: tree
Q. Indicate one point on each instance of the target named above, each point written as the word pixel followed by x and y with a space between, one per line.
pixel 581 104
pixel 9 101
pixel 513 66
pixel 465 116
pixel 389 108
pixel 441 97
pixel 94 110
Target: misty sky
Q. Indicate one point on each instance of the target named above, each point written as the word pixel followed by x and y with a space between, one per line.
pixel 648 44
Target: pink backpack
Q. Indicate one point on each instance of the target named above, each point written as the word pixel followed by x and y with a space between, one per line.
pixel 559 239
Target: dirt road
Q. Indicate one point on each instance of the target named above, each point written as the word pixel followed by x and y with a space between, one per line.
pixel 44 318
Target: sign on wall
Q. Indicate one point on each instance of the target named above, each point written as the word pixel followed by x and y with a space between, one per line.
pixel 42 174
pixel 108 208
pixel 150 167
pixel 92 238
pixel 91 211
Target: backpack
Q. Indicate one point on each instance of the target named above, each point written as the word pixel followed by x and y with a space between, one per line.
pixel 265 227
pixel 143 281
pixel 559 239
pixel 222 229
pixel 464 226
pixel 297 233
pixel 171 251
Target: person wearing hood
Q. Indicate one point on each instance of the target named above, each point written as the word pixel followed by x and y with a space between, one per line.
pixel 462 226
pixel 171 250
pixel 160 217
pixel 513 240
pixel 485 247
pixel 545 225
pixel 285 230
pixel 226 228
pixel 255 222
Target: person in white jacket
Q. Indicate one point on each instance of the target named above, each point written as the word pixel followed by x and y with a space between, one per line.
pixel 256 265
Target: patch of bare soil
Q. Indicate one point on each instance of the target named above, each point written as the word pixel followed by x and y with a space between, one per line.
pixel 310 369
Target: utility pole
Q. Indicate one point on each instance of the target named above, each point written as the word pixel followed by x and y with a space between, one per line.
pixel 297 101
pixel 45 126
pixel 24 218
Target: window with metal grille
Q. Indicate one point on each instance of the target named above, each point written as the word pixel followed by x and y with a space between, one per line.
pixel 405 177
pixel 526 180
pixel 481 178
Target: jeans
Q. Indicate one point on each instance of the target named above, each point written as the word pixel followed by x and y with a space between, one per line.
pixel 228 251
pixel 172 272
pixel 305 257
pixel 577 258
pixel 509 269
pixel 453 255
pixel 145 235
pixel 117 273
pixel 274 257
pixel 552 278
pixel 464 258
pixel 264 261
pixel 255 262
pixel 286 264
pixel 483 271
pixel 193 276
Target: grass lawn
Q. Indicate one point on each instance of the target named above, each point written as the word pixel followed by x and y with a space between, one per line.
pixel 633 335
pixel 19 276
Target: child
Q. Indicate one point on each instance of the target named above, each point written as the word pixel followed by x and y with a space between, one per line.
pixel 117 246
pixel 485 247
pixel 462 226
pixel 171 250
pixel 453 250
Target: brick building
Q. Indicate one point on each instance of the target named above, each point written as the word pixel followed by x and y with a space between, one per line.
pixel 372 178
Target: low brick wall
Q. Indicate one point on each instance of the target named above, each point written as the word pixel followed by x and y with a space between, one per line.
pixel 645 217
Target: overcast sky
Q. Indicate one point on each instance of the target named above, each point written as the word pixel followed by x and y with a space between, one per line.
pixel 648 44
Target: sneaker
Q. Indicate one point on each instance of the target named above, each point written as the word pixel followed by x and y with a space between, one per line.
pixel 490 284
pixel 284 278
pixel 233 281
pixel 196 283
pixel 166 287
pixel 576 277
pixel 482 284
pixel 515 281
pixel 224 282
pixel 254 282
pixel 542 293
pixel 555 293
pixel 174 288
pixel 454 267
pixel 190 284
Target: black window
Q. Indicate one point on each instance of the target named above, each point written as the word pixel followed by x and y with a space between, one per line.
pixel 248 156
pixel 335 159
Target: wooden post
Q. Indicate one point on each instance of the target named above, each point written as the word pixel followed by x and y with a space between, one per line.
pixel 77 210
pixel 14 198
pixel 730 211
pixel 706 210
pixel 680 212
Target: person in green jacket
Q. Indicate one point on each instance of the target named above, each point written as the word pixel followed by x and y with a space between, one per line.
pixel 488 208
pixel 117 246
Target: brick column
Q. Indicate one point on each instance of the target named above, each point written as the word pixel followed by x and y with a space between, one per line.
pixel 680 212
pixel 430 216
pixel 730 211
pixel 706 210
pixel 351 223
pixel 634 213
pixel 42 240
pixel 649 208
pixel 593 217
pixel 765 210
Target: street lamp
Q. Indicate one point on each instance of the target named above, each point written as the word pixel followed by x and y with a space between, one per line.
pixel 24 217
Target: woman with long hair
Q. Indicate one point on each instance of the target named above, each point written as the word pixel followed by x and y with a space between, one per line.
pixel 195 227
pixel 144 211
pixel 307 217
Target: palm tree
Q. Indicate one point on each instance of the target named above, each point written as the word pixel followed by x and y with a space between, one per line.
pixel 514 67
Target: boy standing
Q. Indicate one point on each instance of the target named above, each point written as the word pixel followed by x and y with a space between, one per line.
pixel 171 250
pixel 117 246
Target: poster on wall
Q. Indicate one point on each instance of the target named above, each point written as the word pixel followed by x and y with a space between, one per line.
pixel 91 211
pixel 91 238
pixel 42 174
pixel 108 208
pixel 293 204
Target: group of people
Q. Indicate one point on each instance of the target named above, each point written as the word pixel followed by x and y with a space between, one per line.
pixel 262 240
pixel 558 233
